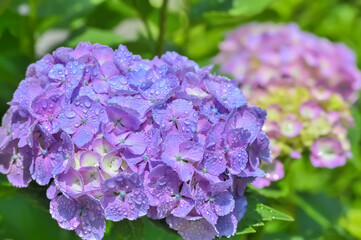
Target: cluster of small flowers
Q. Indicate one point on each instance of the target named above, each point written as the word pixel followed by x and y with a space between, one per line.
pixel 261 55
pixel 298 121
pixel 118 137
pixel 306 84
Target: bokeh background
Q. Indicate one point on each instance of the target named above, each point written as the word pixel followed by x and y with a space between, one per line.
pixel 325 203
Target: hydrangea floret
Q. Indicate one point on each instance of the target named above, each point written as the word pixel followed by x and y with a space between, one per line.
pixel 114 136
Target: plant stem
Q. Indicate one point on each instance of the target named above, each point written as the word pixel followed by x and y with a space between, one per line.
pixel 147 28
pixel 144 19
pixel 162 28
pixel 32 26
pixel 313 213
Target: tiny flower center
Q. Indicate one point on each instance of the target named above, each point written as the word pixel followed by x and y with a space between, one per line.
pixel 214 110
pixel 179 157
pixel 174 119
pixel 177 196
pixel 226 149
pixel 86 83
pixel 122 193
pixel 212 199
pixel 97 99
pixel 66 156
pixel 110 163
pixel 50 118
pixel 145 157
pixel 44 152
pixel 122 140
pixel 83 120
pixel 14 157
pixel 8 131
pixel 63 80
pixel 204 170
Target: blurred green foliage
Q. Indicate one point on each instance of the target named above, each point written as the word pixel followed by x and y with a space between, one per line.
pixel 325 203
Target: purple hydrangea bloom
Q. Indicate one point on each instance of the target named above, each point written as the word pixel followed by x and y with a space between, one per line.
pixel 298 78
pixel 46 109
pixel 5 129
pixel 212 203
pixel 15 162
pixel 225 92
pixel 167 193
pixel 179 154
pixel 70 182
pixel 68 77
pixel 152 139
pixel 178 116
pixel 21 128
pixel 120 137
pixel 28 89
pixel 82 119
pixel 51 158
pixel 227 225
pixel 198 229
pixel 328 152
pixel 124 197
pixel 84 215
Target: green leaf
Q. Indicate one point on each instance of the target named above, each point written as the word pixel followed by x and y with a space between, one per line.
pixel 303 176
pixel 216 18
pixel 9 67
pixel 65 8
pixel 269 214
pixel 22 218
pixel 95 35
pixel 142 6
pixel 320 207
pixel 256 214
pixel 103 11
pixel 158 230
pixel 6 189
pixel 204 6
pixel 245 230
pixel 126 230
pixel 248 7
pixel 196 49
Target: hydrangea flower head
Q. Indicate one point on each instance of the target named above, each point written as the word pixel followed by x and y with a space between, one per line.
pixel 119 137
pixel 298 121
pixel 305 82
pixel 264 55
